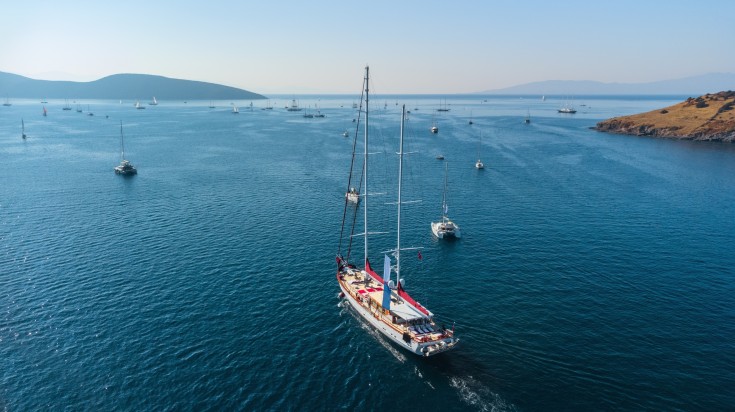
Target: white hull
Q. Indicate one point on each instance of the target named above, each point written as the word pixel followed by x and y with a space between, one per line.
pixel 417 348
pixel 445 230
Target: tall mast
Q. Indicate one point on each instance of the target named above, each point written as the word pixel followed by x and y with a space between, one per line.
pixel 122 144
pixel 444 196
pixel 400 179
pixel 365 160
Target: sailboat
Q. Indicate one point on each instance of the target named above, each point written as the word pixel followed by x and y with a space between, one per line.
pixel 471 122
pixel 154 102
pixel 7 102
pixel 383 303
pixel 235 109
pixel 478 163
pixel 66 105
pixel 294 107
pixel 527 120
pixel 443 108
pixel 139 106
pixel 79 108
pixel 125 168
pixel 445 228
pixel 23 128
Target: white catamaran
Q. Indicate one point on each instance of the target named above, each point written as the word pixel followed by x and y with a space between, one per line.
pixel 445 228
pixel 382 302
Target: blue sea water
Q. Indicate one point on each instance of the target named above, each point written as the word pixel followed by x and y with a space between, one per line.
pixel 595 271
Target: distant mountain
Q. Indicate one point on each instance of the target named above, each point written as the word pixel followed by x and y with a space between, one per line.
pixel 120 86
pixel 696 85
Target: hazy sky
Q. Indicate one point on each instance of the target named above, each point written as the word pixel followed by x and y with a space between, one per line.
pixel 427 46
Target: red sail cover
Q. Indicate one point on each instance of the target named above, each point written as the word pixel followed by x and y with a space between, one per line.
pixel 402 293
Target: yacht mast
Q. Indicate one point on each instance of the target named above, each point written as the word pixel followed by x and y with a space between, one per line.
pixel 400 178
pixel 365 160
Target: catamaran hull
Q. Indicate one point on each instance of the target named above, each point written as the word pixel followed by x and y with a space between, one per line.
pixel 420 349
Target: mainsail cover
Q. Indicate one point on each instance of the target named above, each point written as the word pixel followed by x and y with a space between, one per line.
pixel 386 281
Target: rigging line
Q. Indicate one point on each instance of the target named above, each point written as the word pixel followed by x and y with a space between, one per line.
pixel 349 182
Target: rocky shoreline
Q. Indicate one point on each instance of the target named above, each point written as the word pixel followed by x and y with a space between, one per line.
pixel 708 118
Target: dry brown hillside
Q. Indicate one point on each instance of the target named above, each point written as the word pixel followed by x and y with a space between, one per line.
pixel 708 117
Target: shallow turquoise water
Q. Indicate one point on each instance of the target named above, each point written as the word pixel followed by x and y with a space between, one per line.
pixel 595 271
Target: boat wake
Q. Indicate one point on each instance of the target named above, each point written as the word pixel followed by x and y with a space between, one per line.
pixel 475 394
pixel 400 357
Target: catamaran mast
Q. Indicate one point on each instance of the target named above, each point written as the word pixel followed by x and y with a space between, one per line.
pixel 365 160
pixel 444 196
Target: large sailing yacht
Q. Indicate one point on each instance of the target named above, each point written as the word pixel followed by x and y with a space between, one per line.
pixel 385 304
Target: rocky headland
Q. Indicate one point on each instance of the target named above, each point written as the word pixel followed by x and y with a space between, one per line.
pixel 710 117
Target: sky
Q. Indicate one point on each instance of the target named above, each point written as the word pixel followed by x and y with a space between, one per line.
pixel 421 47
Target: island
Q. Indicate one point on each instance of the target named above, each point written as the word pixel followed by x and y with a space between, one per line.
pixel 710 117
pixel 121 86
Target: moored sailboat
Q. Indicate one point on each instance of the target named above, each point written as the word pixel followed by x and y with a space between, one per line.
pixel 22 129
pixel 125 168
pixel 377 299
pixel 445 228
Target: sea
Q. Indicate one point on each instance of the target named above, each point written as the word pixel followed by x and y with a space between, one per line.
pixel 595 271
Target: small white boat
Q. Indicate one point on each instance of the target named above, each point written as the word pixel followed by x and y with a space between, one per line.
pixel 139 106
pixel 235 110
pixel 353 195
pixel 154 102
pixel 346 134
pixel 294 107
pixel 125 168
pixel 434 129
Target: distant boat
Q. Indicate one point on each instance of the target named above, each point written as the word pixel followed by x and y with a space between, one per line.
pixel 434 129
pixel 268 106
pixel 294 107
pixel 478 163
pixel 79 108
pixel 154 102
pixel 139 106
pixel 22 128
pixel 89 113
pixel 471 122
pixel 66 105
pixel 44 111
pixel 443 108
pixel 211 106
pixel 44 101
pixel 125 168
pixel 235 110
pixel 445 228
pixel 7 102
pixel 440 157
pixel 346 134
pixel 567 108
pixel 543 98
pixel 527 120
